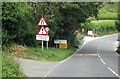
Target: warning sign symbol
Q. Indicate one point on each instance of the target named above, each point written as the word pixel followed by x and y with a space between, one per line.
pixel 42 22
pixel 42 31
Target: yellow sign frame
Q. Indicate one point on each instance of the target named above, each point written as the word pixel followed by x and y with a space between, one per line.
pixel 63 46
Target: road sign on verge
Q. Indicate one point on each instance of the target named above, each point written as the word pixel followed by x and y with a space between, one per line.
pixel 90 32
pixel 60 41
pixel 42 22
pixel 63 46
pixel 42 31
pixel 42 37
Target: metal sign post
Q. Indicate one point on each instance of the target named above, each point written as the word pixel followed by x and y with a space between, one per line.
pixel 42 45
pixel 47 45
pixel 62 43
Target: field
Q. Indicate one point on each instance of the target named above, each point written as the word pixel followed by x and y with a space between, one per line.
pixel 104 23
pixel 108 16
pixel 108 12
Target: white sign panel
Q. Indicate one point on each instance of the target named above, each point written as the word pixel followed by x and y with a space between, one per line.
pixel 42 37
pixel 60 41
pixel 56 41
pixel 90 32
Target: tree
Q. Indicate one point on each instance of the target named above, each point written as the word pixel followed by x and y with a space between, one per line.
pixel 16 23
pixel 20 20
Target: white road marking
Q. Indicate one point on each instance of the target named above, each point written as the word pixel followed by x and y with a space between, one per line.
pixel 113 72
pixel 99 56
pixel 102 61
pixel 66 59
pixel 48 73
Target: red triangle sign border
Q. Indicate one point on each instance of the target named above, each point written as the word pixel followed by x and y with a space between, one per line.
pixel 44 20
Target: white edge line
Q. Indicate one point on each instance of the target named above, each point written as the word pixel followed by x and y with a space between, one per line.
pixel 62 61
pixel 48 73
pixel 73 54
pixel 113 72
pixel 102 61
pixel 66 59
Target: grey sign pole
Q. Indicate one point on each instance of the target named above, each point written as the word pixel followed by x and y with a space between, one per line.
pixel 47 45
pixel 42 45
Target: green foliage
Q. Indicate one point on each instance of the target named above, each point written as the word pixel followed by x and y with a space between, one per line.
pixel 16 23
pixel 108 15
pixel 72 16
pixel 10 68
pixel 104 23
pixel 101 27
pixel 118 22
pixel 105 27
pixel 20 19
pixel 111 7
pixel 118 50
pixel 109 11
pixel 80 36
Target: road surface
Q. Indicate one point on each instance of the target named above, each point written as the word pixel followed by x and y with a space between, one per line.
pixel 96 58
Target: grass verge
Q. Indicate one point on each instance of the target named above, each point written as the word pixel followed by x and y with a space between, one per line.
pixel 36 53
pixel 52 54
pixel 11 68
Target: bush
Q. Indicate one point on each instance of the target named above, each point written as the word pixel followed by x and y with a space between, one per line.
pixel 118 50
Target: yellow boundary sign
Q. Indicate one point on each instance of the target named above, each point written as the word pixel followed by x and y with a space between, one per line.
pixel 63 46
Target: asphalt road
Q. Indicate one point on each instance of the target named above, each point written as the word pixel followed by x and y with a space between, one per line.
pixel 96 58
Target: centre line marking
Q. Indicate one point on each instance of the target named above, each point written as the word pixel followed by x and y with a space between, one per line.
pixel 99 56
pixel 113 72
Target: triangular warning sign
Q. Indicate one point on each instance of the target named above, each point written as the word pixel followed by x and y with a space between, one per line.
pixel 42 31
pixel 42 22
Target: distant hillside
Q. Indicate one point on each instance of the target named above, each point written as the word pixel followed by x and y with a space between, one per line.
pixel 109 11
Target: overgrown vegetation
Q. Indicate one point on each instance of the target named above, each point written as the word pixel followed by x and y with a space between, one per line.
pixel 36 53
pixel 10 68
